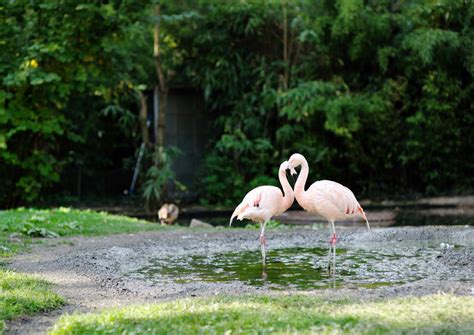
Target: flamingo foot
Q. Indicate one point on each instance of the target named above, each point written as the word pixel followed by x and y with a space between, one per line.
pixel 263 240
pixel 333 240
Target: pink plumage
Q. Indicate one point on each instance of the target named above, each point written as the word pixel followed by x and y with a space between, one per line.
pixel 264 202
pixel 331 200
pixel 327 198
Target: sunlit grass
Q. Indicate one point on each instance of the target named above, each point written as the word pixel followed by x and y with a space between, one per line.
pixel 63 222
pixel 21 294
pixel 437 314
pixel 24 295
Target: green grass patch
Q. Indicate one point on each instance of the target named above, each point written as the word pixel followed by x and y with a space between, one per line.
pixel 26 224
pixel 24 295
pixel 436 314
pixel 272 224
pixel 21 294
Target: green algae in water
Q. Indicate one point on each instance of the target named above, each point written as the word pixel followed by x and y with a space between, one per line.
pixel 299 268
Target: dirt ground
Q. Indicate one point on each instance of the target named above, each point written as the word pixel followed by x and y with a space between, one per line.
pixel 94 273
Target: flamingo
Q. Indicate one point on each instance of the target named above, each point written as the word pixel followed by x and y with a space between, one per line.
pixel 327 198
pixel 264 202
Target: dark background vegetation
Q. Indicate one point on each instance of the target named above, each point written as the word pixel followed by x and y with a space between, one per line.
pixel 376 94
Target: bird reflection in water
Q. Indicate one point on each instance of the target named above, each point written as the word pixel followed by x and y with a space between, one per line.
pixel 331 273
pixel 264 273
pixel 333 279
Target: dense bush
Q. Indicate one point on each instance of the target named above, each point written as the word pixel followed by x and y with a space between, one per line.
pixel 376 94
pixel 64 70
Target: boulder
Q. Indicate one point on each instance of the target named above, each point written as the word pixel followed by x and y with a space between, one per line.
pixel 201 224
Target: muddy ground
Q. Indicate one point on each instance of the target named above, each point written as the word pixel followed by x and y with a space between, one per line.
pixel 93 273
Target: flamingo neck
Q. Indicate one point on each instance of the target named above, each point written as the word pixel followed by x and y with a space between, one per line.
pixel 289 196
pixel 301 181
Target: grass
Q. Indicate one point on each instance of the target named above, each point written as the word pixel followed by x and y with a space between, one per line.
pixel 436 314
pixel 24 295
pixel 28 223
pixel 272 224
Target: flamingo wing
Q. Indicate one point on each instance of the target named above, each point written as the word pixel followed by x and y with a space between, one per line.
pixel 337 197
pixel 260 204
pixel 251 200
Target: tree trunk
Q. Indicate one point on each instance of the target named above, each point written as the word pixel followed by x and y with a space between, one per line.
pixel 162 119
pixel 285 48
pixel 143 118
pixel 162 84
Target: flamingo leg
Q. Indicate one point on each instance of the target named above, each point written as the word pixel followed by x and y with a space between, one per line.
pixel 263 242
pixel 329 251
pixel 332 248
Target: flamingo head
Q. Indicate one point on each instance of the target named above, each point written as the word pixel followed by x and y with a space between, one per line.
pixel 286 166
pixel 294 161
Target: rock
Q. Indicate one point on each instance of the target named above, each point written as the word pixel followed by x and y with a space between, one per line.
pixel 14 238
pixel 446 246
pixel 198 223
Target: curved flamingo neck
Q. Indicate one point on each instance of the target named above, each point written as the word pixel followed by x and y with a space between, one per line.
pixel 288 196
pixel 301 181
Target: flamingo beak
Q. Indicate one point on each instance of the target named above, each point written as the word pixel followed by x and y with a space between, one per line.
pixel 289 167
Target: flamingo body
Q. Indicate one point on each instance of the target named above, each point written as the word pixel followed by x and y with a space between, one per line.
pixel 264 202
pixel 325 197
pixel 331 200
pixel 260 204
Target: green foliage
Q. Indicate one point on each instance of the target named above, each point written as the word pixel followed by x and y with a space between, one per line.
pixel 159 175
pixel 59 60
pixel 272 224
pixel 436 314
pixel 34 231
pixel 376 95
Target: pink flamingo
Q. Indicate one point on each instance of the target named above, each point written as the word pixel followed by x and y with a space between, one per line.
pixel 327 198
pixel 264 202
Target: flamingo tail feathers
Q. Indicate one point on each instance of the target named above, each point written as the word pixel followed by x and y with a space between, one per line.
pixel 364 217
pixel 238 210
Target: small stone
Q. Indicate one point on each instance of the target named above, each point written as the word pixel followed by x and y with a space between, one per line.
pixel 14 238
pixel 198 223
pixel 446 246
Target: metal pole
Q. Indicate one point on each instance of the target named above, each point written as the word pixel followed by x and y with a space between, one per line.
pixel 137 168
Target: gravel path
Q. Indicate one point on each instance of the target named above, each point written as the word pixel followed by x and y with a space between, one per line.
pixel 93 273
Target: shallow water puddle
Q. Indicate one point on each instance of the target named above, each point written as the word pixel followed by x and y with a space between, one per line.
pixel 300 268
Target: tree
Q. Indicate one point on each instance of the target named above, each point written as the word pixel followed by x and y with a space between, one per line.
pixel 55 54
